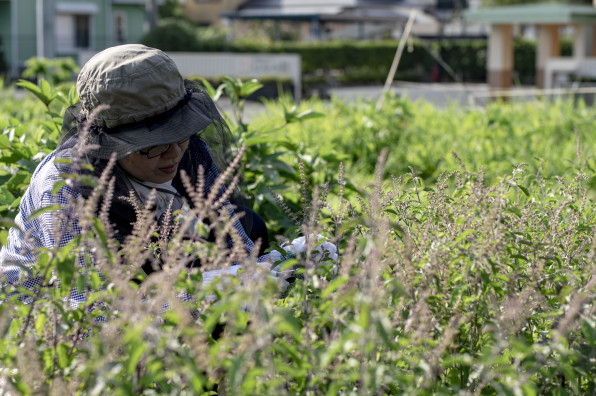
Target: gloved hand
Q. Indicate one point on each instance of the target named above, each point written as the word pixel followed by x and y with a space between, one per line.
pixel 324 253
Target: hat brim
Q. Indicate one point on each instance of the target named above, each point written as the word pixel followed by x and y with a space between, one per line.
pixel 179 123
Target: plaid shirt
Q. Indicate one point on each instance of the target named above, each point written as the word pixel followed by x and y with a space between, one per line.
pixel 42 231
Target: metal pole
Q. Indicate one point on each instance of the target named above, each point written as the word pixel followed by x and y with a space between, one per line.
pixel 396 58
pixel 14 31
pixel 109 35
pixel 39 28
pixel 152 5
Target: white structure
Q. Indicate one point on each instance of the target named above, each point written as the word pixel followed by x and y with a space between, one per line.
pixel 236 65
pixel 549 18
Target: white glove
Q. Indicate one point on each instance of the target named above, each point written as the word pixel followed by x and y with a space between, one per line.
pixel 324 250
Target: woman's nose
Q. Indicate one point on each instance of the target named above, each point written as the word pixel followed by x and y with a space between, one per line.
pixel 173 151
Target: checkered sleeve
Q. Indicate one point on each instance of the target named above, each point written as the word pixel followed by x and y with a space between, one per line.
pixel 55 227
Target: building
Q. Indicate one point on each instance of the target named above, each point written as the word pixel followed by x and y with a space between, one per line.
pixel 209 12
pixel 54 28
pixel 326 19
pixel 329 19
pixel 549 19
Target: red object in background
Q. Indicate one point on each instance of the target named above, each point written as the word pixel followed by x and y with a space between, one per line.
pixel 435 74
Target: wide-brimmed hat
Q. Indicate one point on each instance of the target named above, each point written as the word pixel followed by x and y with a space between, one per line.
pixel 147 102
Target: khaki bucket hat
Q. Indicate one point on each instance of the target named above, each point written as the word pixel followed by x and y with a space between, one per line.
pixel 147 101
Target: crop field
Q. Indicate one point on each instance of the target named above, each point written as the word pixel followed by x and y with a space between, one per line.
pixel 466 241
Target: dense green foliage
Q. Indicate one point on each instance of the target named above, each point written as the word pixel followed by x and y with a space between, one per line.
pixel 469 273
pixel 56 71
pixel 543 134
pixel 181 35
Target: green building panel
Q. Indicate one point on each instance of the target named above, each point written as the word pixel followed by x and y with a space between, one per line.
pixel 24 32
pixel 4 36
pixel 136 22
pixel 102 23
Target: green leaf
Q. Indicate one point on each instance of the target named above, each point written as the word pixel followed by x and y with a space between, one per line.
pixel 249 87
pixel 524 189
pixel 254 140
pixel 515 211
pixel 215 94
pixel 289 115
pixel 21 178
pixel 463 235
pixel 171 318
pixel 40 323
pixel 46 90
pixel 289 350
pixel 38 212
pixel 6 197
pixel 100 232
pixel 29 86
pixel 66 269
pixel 288 323
pixel 308 114
pixel 4 142
pixel 334 285
pixel 519 256
pixel 48 360
pixel 136 347
pixel 63 357
pixel 57 186
pixel 384 330
pixel 22 387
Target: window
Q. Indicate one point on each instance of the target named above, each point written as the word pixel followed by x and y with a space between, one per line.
pixel 82 31
pixel 73 32
pixel 74 26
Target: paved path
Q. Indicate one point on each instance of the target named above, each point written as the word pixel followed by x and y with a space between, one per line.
pixel 441 95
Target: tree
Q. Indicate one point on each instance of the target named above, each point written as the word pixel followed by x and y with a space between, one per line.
pixel 171 9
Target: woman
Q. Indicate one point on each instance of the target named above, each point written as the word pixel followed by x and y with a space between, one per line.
pixel 135 105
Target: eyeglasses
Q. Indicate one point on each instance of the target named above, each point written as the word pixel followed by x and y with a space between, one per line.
pixel 156 151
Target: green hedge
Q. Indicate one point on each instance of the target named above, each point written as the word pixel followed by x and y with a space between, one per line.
pixel 369 61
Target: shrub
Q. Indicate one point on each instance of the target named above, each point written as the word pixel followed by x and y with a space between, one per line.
pixel 181 35
pixel 56 71
pixel 172 35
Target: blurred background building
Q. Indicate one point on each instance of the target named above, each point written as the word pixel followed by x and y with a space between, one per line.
pixel 458 40
pixel 54 28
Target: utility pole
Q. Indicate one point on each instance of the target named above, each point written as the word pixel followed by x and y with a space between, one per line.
pixel 39 28
pixel 397 57
pixel 152 13
pixel 14 45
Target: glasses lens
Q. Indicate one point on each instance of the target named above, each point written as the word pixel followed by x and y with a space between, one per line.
pixel 156 151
